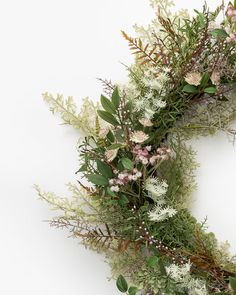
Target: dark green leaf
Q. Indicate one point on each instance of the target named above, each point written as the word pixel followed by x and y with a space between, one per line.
pixel 210 90
pixel 107 105
pixel 123 200
pixel 110 136
pixel 219 33
pixel 133 290
pixel 127 163
pixel 122 284
pixel 97 179
pixel 83 168
pixel 104 169
pixel 115 146
pixel 232 282
pixel 221 293
pixel 190 88
pixel 108 117
pixel 116 98
pixel 152 261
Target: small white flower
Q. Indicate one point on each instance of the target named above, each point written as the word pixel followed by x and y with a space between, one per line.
pixel 144 161
pixel 138 136
pixel 193 78
pixel 146 122
pixel 111 154
pixel 115 188
pixel 139 174
pixel 134 177
pixel 121 176
pixel 112 181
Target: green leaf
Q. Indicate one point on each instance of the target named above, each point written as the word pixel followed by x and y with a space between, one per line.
pixel 190 88
pixel 122 284
pixel 127 163
pixel 210 90
pixel 110 136
pixel 116 98
pixel 115 146
pixel 107 105
pixel 97 179
pixel 232 282
pixel 83 168
pixel 205 79
pixel 133 290
pixel 221 293
pixel 104 169
pixel 152 261
pixel 123 200
pixel 219 33
pixel 106 116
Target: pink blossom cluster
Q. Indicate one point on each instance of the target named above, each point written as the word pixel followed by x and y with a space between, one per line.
pixel 124 178
pixel 144 156
pixel 231 13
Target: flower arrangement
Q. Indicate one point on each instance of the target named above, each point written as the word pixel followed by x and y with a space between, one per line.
pixel 136 171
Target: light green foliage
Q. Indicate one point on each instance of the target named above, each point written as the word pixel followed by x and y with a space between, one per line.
pixel 85 120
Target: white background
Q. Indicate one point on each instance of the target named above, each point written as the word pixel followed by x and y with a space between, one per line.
pixel 63 46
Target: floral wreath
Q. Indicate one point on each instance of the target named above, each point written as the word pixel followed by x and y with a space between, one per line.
pixel 136 172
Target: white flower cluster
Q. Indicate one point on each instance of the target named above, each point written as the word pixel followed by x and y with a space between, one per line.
pixel 157 190
pixel 181 275
pixel 161 213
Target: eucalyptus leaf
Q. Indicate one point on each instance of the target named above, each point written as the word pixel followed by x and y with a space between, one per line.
pixel 122 284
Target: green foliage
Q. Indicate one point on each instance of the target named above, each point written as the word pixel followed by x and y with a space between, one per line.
pixel 106 116
pixel 115 214
pixel 97 179
pixel 127 163
pixel 121 284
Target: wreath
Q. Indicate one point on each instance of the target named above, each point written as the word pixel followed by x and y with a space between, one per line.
pixel 136 171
